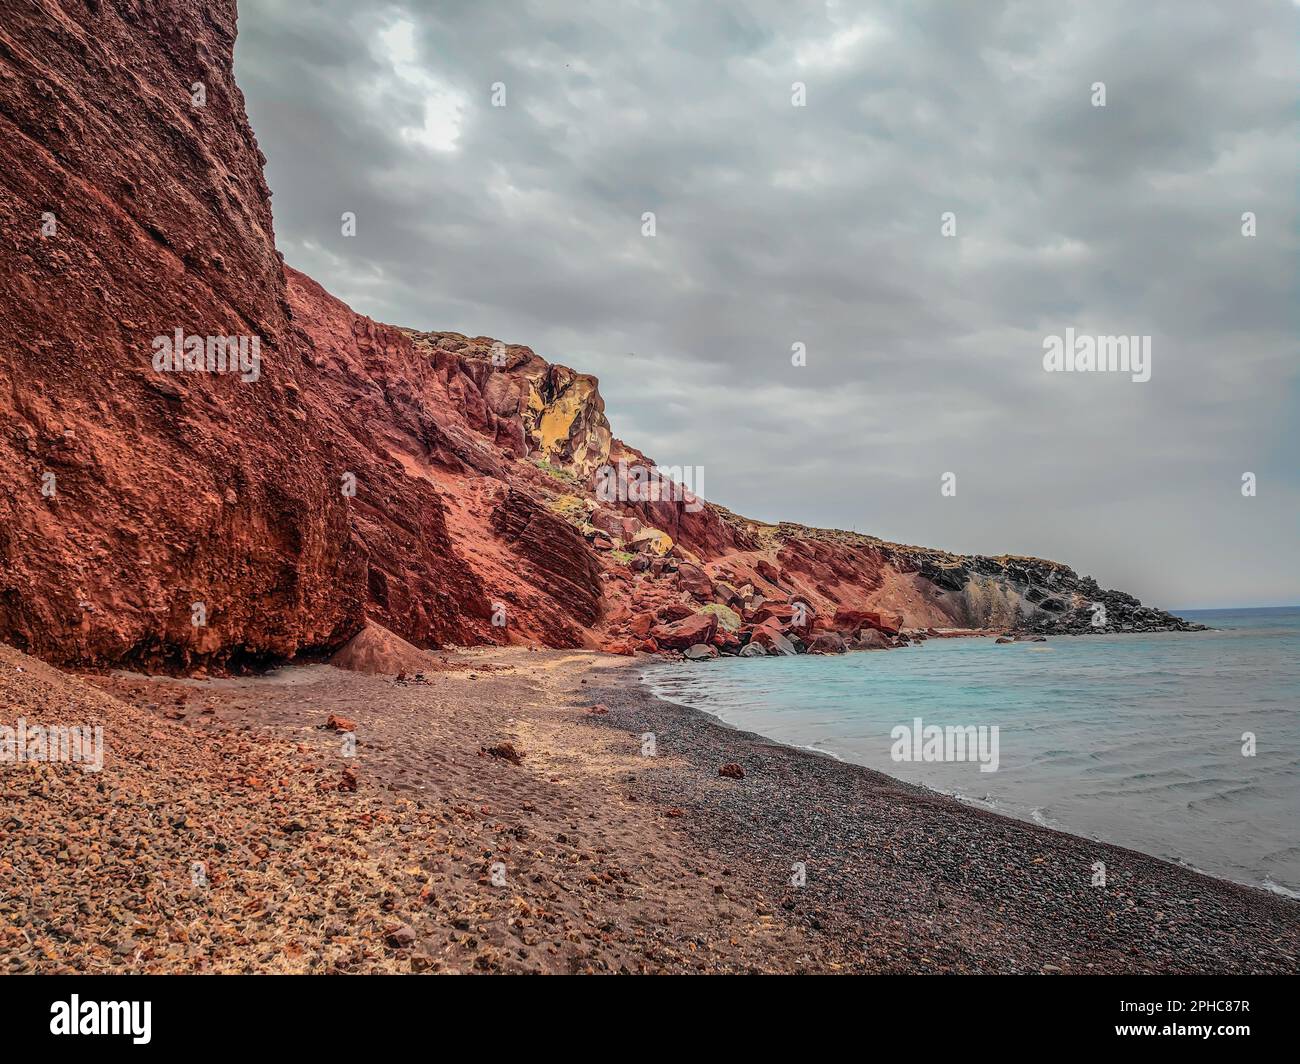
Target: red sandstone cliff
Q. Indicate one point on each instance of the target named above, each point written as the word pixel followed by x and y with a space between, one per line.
pixel 441 486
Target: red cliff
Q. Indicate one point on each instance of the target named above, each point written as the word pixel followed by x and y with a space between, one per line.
pixel 451 489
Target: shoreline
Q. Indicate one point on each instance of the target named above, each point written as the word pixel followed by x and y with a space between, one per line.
pixel 498 815
pixel 966 800
pixel 1153 915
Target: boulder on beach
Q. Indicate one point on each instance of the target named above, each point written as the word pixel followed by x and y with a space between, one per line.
pixel 686 632
pixel 641 624
pixel 694 581
pixel 847 620
pixel 673 611
pixel 768 636
pixel 726 642
pixel 828 643
pixel 772 611
pixel 871 639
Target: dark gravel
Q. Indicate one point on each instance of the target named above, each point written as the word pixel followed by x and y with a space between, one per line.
pixel 901 879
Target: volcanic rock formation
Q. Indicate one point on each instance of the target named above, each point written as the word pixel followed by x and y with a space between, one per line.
pixel 439 486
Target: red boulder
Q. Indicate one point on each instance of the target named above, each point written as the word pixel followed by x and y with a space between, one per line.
pixel 674 611
pixel 725 641
pixel 772 611
pixel 641 624
pixel 827 643
pixel 847 620
pixel 769 637
pixel 695 581
pixel 686 632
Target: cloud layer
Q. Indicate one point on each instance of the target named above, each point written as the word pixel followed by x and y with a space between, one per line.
pixel 821 225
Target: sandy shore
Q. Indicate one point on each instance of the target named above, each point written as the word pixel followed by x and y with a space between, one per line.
pixel 585 856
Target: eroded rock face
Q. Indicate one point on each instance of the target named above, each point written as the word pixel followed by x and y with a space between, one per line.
pixel 432 484
pixel 530 407
pixel 280 512
pixel 127 214
pixel 565 420
pixel 569 570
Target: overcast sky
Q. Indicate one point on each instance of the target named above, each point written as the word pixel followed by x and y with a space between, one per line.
pixel 821 225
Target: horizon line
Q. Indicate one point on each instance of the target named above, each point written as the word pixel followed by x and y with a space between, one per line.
pixel 1196 609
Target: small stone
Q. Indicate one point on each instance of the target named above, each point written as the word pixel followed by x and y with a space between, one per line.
pixel 503 752
pixel 402 936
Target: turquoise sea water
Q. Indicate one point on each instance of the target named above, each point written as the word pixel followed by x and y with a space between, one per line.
pixel 1132 739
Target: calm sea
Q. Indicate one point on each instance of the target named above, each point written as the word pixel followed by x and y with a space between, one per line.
pixel 1133 739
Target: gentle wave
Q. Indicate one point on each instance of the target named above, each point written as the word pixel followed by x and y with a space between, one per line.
pixel 1134 739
